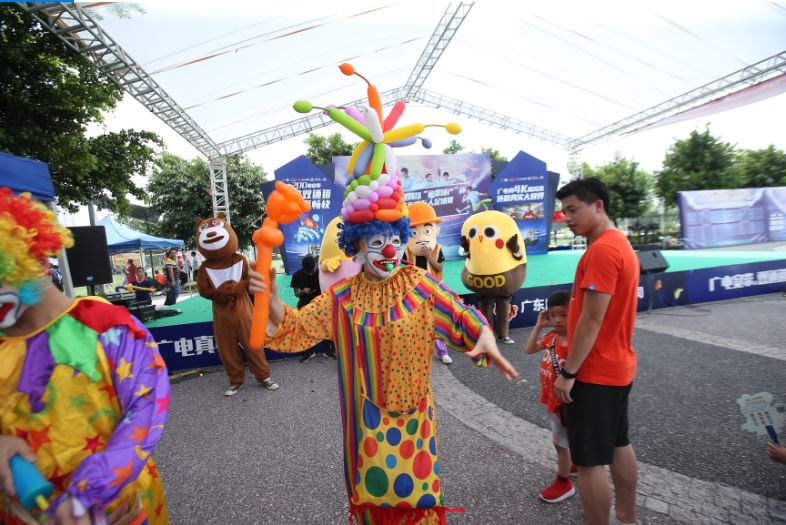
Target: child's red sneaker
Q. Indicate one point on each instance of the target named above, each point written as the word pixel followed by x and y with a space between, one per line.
pixel 561 489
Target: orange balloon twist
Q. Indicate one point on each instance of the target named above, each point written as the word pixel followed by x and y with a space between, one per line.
pixel 284 205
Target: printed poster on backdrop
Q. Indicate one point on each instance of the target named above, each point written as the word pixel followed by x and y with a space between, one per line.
pixel 456 186
pixel 305 234
pixel 711 218
pixel 522 190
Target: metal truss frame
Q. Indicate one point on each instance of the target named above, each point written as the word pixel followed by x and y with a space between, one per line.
pixel 82 33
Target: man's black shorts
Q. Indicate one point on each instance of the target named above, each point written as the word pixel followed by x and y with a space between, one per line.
pixel 597 422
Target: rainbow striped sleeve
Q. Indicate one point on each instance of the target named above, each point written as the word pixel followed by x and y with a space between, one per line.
pixel 301 329
pixel 456 323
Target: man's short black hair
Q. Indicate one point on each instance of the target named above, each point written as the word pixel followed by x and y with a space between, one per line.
pixel 586 190
pixel 308 263
pixel 561 298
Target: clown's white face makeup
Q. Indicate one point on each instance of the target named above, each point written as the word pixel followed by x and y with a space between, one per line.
pixel 11 307
pixel 380 255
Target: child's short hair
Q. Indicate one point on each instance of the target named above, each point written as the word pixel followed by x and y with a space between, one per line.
pixel 561 298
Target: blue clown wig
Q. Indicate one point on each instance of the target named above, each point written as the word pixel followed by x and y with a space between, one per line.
pixel 349 234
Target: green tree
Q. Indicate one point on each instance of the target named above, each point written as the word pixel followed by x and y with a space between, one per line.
pixel 118 157
pixel 762 168
pixel 321 149
pixel 453 147
pixel 48 96
pixel 493 153
pixel 178 187
pixel 629 187
pixel 700 162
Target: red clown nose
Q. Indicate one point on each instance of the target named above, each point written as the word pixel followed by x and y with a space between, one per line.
pixel 389 251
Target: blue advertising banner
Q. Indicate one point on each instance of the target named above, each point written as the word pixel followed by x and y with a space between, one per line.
pixel 727 217
pixel 456 186
pixel 305 235
pixel 525 191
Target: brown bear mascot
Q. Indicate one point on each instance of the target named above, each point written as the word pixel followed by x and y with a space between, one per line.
pixel 223 279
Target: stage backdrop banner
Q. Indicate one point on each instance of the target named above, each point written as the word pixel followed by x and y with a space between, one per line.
pixel 525 191
pixel 727 217
pixel 305 234
pixel 456 186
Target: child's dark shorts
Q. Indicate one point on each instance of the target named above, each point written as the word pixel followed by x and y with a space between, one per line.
pixel 597 422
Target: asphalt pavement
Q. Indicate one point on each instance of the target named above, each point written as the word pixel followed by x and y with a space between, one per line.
pixel 274 457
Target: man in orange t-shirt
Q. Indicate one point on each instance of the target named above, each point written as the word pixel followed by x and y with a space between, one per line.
pixel 595 382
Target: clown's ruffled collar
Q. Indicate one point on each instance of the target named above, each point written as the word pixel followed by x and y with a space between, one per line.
pixel 375 303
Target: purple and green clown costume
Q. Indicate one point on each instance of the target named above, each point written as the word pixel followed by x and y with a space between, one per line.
pixel 89 393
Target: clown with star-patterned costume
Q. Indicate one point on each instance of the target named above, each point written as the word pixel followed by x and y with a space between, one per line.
pixel 84 392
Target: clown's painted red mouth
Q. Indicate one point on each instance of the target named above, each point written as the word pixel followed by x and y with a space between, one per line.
pixel 4 309
pixel 382 264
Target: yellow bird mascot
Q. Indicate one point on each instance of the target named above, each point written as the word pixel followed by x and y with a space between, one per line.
pixel 495 265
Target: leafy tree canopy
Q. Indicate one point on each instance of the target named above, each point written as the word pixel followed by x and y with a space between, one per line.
pixel 48 96
pixel 629 187
pixel 700 162
pixel 453 148
pixel 493 153
pixel 178 189
pixel 762 168
pixel 321 149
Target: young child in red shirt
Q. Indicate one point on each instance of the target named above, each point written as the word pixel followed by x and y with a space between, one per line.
pixel 555 348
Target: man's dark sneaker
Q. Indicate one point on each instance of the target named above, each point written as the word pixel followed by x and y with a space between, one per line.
pixel 331 355
pixel 308 357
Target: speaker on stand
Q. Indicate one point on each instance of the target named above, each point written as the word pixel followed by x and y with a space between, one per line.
pixel 651 262
pixel 88 258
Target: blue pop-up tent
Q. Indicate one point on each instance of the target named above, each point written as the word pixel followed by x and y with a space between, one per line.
pixel 26 175
pixel 120 238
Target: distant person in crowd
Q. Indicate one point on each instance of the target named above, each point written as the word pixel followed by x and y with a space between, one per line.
pixel 130 271
pixel 159 277
pixel 305 282
pixel 83 388
pixel 553 348
pixel 172 275
pixel 142 297
pixel 407 182
pixel 597 376
pixel 776 452
pixel 194 264
pixel 56 276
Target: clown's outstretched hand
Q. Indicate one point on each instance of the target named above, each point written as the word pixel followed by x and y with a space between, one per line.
pixel 488 345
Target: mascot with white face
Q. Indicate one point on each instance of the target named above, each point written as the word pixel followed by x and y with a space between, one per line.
pixel 223 279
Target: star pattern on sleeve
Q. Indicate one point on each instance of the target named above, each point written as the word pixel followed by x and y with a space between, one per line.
pixel 158 362
pixel 122 474
pixel 163 404
pixel 143 391
pixel 124 370
pixel 139 434
pixel 111 336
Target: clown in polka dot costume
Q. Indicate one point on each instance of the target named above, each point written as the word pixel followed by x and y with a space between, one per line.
pixel 384 322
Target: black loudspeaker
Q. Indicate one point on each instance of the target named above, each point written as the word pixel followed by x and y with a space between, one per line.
pixel 652 261
pixel 88 259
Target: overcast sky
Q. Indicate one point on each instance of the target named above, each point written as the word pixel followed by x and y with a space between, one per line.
pixel 535 65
